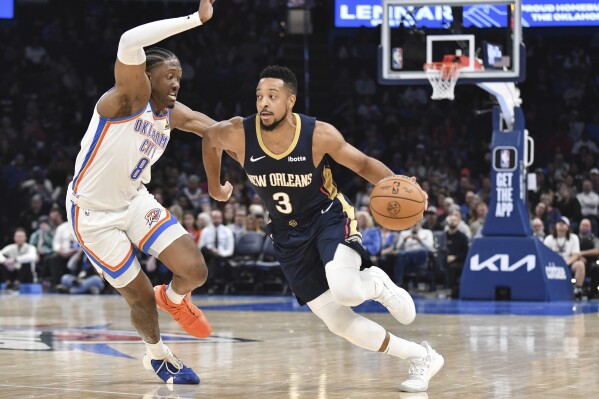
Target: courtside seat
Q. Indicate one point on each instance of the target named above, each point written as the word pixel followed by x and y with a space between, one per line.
pixel 248 250
pixel 269 276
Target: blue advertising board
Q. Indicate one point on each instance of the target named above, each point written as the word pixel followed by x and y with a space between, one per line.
pixel 7 9
pixel 535 13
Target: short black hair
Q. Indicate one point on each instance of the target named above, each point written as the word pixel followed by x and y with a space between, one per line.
pixel 283 73
pixel 156 55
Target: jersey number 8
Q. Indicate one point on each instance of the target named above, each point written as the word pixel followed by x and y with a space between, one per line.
pixel 139 168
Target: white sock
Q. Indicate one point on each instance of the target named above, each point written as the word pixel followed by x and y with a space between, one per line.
pixel 157 351
pixel 404 349
pixel 173 296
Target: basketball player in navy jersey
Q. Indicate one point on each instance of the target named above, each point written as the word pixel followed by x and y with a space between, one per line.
pixel 312 225
pixel 111 212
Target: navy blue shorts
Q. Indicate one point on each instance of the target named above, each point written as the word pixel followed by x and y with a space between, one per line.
pixel 305 249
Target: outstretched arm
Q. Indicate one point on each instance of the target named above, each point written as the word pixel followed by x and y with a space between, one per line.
pixel 188 120
pixel 224 136
pixel 328 140
pixel 132 87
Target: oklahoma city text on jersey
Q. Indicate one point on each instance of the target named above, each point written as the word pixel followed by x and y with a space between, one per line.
pixel 155 137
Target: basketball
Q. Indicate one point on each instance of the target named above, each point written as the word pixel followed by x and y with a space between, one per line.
pixel 397 203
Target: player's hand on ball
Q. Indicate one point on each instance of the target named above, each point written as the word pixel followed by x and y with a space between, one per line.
pixel 205 10
pixel 221 193
pixel 413 178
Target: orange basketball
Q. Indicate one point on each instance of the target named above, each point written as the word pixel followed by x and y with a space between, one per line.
pixel 397 203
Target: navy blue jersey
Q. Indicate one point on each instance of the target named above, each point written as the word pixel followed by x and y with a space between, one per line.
pixel 288 183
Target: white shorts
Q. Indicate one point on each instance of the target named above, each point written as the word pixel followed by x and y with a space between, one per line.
pixel 108 237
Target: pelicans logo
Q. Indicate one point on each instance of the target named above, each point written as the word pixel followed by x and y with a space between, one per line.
pixel 153 216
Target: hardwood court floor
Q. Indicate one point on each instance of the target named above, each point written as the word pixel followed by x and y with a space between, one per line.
pixel 84 347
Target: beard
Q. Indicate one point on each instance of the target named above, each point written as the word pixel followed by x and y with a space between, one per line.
pixel 273 126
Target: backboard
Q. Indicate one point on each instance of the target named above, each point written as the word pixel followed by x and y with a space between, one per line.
pixel 485 33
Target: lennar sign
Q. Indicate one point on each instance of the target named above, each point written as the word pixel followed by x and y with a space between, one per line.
pixel 501 263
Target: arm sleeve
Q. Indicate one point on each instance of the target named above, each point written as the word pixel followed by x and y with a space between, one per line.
pixel 133 41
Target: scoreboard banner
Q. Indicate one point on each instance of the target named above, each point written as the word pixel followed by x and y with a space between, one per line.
pixel 6 9
pixel 535 13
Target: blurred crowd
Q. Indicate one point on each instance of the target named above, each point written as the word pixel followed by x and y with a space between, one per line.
pixel 58 60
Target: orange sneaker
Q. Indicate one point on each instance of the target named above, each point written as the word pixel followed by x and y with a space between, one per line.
pixel 190 318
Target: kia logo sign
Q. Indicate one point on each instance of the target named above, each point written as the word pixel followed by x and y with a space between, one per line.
pixel 501 263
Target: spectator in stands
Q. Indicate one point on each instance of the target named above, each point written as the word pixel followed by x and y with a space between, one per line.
pixel 31 215
pixel 552 214
pixel 569 206
pixel 189 223
pixel 585 141
pixel 539 213
pixel 217 245
pixel 84 278
pixel 562 168
pixel 565 243
pixel 542 187
pixel 462 226
pixel 538 228
pixel 457 249
pixel 43 237
pixel 431 220
pixel 177 211
pixel 238 225
pixel 229 213
pixel 467 208
pixel 364 85
pixel 35 53
pixel 17 261
pixel 39 184
pixel 484 193
pixel 477 221
pixel 193 192
pixel 253 224
pixel 42 240
pixel 589 247
pixel 64 246
pixel 388 252
pixel 594 173
pixel 413 246
pixel 372 239
pixel 589 203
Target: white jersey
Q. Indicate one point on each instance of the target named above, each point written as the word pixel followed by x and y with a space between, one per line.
pixel 115 158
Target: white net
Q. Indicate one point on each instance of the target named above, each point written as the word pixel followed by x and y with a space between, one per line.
pixel 443 77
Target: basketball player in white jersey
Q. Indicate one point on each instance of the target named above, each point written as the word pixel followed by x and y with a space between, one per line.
pixel 111 212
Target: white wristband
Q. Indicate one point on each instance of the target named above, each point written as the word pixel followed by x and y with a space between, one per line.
pixel 133 41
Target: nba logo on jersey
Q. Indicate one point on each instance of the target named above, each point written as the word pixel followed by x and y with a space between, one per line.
pixel 153 216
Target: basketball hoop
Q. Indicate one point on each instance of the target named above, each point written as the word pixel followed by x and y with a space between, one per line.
pixel 443 77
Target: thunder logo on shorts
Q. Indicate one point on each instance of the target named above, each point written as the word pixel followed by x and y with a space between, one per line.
pixel 153 216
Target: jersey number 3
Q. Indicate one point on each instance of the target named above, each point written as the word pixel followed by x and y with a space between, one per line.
pixel 139 168
pixel 283 204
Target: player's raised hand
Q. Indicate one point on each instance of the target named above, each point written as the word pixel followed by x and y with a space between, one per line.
pixel 205 10
pixel 222 193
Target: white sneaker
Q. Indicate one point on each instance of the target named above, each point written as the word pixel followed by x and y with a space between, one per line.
pixel 422 370
pixel 394 298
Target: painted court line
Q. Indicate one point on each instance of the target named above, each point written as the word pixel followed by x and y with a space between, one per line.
pixel 84 390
